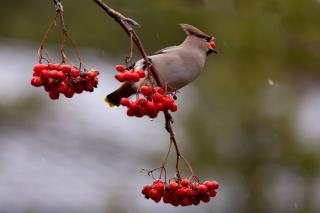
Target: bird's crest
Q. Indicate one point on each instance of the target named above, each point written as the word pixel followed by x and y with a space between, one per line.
pixel 191 30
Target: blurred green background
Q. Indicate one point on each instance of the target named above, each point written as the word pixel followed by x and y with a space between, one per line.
pixel 250 121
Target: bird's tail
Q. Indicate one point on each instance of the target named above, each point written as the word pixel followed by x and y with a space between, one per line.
pixel 125 91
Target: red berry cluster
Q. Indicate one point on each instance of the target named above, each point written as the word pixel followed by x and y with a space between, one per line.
pixel 129 75
pixel 183 192
pixel 63 79
pixel 153 101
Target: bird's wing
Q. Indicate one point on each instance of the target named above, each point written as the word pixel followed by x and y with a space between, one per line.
pixel 140 64
pixel 165 50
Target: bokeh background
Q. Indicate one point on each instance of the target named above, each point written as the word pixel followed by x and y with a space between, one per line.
pixel 250 121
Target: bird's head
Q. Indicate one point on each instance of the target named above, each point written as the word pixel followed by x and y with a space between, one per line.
pixel 199 38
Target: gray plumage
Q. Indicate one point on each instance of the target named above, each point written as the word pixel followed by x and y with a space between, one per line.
pixel 177 65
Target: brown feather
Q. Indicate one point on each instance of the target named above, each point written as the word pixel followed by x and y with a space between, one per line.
pixel 126 90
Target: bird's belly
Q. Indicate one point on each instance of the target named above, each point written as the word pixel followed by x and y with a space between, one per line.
pixel 177 75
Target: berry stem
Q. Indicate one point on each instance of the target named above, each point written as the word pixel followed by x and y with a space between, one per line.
pixel 169 129
pixel 165 161
pixel 65 36
pixel 129 58
pixel 45 37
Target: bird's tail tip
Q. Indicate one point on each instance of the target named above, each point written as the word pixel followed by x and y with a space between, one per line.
pixel 109 103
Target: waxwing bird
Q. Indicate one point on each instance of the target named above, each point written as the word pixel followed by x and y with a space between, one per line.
pixel 177 65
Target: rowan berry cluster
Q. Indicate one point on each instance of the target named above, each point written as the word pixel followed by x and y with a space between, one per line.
pixel 126 74
pixel 63 79
pixel 153 101
pixel 183 192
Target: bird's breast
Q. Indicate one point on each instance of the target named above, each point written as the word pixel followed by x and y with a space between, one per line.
pixel 177 70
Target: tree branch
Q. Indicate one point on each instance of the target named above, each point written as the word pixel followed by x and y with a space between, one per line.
pixel 127 24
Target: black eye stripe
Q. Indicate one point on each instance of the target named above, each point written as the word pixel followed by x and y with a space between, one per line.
pixel 205 37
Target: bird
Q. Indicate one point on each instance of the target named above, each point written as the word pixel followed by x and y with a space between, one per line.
pixel 177 66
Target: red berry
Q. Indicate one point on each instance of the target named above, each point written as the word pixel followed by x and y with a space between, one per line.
pixel 74 72
pixel 173 107
pixel 79 88
pixel 167 102
pixel 94 82
pixel 192 193
pixel 135 77
pixel 50 82
pixel 186 201
pixel 69 93
pixel 120 68
pixel 154 195
pixel 88 87
pixel 61 75
pixel 133 106
pixel 142 102
pixel 53 66
pixel 92 74
pixel 36 81
pixel 35 74
pixel 146 189
pixel 166 199
pixel 141 111
pixel 66 68
pixel 195 201
pixel 157 97
pixel 130 112
pixel 127 75
pixel 120 77
pixel 38 67
pixel 62 88
pixel 173 186
pixel 53 73
pixel 146 90
pixel 153 114
pixel 141 73
pixel 159 90
pixel 124 102
pixel 213 193
pixel 202 189
pixel 150 106
pixel 182 192
pixel 215 184
pixel 212 44
pixel 54 95
pixel 159 106
pixel 159 187
pixel 185 182
pixel 44 74
pixel 205 198
pixel 157 181
pixel 211 184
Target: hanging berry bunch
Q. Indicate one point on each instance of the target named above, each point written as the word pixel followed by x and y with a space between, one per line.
pixel 62 78
pixel 150 99
pixel 181 192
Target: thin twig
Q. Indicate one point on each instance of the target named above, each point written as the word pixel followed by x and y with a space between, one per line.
pixel 45 37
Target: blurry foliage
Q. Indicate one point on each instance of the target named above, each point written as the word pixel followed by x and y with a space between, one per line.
pixel 230 128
